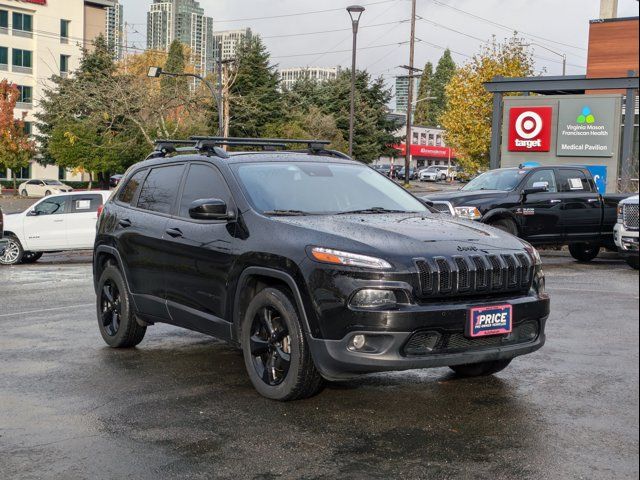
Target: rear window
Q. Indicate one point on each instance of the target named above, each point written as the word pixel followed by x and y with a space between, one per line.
pixel 86 203
pixel 573 181
pixel 160 189
pixel 128 192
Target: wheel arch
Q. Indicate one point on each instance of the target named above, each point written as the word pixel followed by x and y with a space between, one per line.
pixel 501 214
pixel 104 254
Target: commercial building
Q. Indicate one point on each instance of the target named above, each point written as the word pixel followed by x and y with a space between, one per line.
pixel 226 42
pixel 114 29
pixel 402 92
pixel 289 76
pixel 182 20
pixel 39 39
pixel 427 148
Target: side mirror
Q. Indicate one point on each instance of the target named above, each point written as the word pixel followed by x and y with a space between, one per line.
pixel 32 213
pixel 538 187
pixel 209 209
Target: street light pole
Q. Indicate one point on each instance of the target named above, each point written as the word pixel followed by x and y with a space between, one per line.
pixel 156 72
pixel 412 43
pixel 355 12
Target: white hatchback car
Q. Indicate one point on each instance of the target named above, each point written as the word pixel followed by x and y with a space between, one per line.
pixel 42 188
pixel 55 223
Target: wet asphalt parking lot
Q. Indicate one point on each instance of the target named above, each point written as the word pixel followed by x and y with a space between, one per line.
pixel 181 405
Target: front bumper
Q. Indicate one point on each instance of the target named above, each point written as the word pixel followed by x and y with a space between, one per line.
pixel 335 360
pixel 626 241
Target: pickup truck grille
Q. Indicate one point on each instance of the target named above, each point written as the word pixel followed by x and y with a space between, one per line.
pixel 474 275
pixel 630 216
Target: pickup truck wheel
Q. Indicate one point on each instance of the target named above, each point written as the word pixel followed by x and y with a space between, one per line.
pixel 275 350
pixel 633 262
pixel 13 253
pixel 31 257
pixel 505 225
pixel 480 369
pixel 584 252
pixel 116 320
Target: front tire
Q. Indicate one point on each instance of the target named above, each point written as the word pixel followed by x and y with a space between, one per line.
pixel 13 252
pixel 47 193
pixel 275 349
pixel 584 252
pixel 633 262
pixel 24 193
pixel 116 319
pixel 480 369
pixel 505 225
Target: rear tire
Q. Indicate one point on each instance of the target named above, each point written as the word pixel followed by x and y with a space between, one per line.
pixel 24 193
pixel 480 369
pixel 505 225
pixel 116 318
pixel 633 262
pixel 275 349
pixel 31 257
pixel 584 252
pixel 13 252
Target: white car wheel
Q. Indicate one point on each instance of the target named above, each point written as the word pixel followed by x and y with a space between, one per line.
pixel 13 252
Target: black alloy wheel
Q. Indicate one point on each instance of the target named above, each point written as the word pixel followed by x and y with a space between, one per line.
pixel 270 345
pixel 111 306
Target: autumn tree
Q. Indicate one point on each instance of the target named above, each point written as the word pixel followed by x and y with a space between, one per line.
pixel 421 116
pixel 16 148
pixel 467 117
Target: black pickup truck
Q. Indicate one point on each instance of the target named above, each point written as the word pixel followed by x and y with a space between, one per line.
pixel 547 205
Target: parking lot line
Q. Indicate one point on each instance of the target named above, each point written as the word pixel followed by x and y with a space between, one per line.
pixel 29 312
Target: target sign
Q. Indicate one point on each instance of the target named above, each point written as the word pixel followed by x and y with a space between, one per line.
pixel 530 129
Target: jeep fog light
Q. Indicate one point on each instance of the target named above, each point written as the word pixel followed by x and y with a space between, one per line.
pixel 357 342
pixel 372 298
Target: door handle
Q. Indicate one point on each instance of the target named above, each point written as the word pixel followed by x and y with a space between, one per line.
pixel 174 232
pixel 125 223
pixel 58 221
pixel 593 200
pixel 555 201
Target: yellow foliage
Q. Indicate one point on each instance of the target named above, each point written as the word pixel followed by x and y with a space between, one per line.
pixel 467 118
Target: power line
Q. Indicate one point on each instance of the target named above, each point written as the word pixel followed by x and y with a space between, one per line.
pixel 339 51
pixel 330 31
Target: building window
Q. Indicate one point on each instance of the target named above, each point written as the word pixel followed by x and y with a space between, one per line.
pixel 4 58
pixel 64 31
pixel 4 21
pixel 64 65
pixel 26 94
pixel 22 24
pixel 28 128
pixel 438 140
pixel 431 139
pixel 22 61
pixel 62 173
pixel 25 173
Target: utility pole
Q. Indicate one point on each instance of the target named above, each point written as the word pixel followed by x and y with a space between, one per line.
pixel 221 123
pixel 412 44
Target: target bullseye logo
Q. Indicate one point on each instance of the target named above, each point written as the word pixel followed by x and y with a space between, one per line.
pixel 530 129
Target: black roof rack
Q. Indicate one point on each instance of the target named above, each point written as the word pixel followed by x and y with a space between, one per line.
pixel 211 145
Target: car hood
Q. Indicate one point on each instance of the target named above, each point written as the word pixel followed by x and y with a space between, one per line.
pixel 630 201
pixel 11 221
pixel 461 197
pixel 402 235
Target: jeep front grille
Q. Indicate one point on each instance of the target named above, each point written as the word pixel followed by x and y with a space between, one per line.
pixel 473 275
pixel 630 217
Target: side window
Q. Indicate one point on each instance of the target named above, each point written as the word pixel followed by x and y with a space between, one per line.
pixel 545 176
pixel 160 189
pixel 51 206
pixel 128 192
pixel 573 181
pixel 202 182
pixel 85 203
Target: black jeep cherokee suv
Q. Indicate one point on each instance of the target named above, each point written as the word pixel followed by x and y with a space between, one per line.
pixel 316 265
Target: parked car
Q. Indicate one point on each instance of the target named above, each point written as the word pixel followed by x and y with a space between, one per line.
pixel 436 173
pixel 114 180
pixel 3 242
pixel 42 188
pixel 550 205
pixel 314 265
pixel 399 173
pixel 55 223
pixel 625 232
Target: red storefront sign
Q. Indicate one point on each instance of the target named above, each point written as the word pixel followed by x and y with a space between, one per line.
pixel 427 151
pixel 37 2
pixel 530 129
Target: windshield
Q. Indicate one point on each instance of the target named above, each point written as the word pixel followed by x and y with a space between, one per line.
pixel 52 182
pixel 504 180
pixel 320 188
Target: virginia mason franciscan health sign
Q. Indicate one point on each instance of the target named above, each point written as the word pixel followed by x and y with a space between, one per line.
pixel 586 127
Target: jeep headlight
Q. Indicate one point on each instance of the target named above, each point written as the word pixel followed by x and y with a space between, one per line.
pixel 470 213
pixel 337 257
pixel 620 213
pixel 535 255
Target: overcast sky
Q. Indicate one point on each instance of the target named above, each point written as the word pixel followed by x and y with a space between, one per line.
pixel 561 25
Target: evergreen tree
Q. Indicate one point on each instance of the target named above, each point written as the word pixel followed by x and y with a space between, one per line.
pixel 445 70
pixel 175 64
pixel 423 105
pixel 255 97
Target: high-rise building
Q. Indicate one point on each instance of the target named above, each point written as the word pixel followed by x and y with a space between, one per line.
pixel 289 76
pixel 39 39
pixel 402 92
pixel 227 42
pixel 183 20
pixel 114 29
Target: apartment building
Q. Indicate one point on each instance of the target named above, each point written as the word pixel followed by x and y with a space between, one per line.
pixel 114 29
pixel 227 42
pixel 39 39
pixel 289 76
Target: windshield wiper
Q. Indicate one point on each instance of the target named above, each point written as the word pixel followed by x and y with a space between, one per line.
pixel 286 213
pixel 373 210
